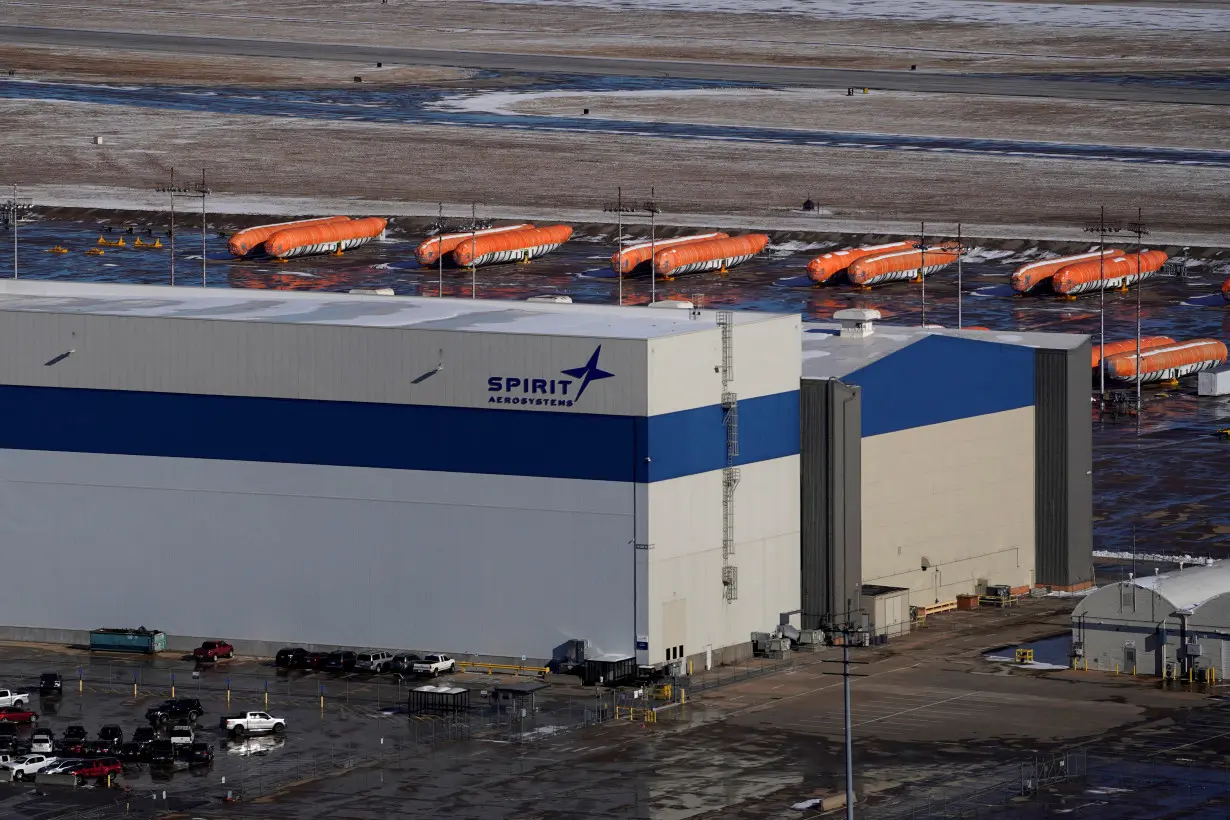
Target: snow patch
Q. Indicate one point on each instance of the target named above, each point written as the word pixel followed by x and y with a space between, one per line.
pixel 1156 557
pixel 1031 665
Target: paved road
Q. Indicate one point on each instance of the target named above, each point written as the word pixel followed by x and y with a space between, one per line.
pixel 770 75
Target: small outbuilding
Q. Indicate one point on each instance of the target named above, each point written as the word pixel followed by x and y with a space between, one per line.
pixel 438 700
pixel 1174 624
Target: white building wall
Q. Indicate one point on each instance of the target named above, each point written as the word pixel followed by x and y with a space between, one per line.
pixel 958 494
pixel 685 558
pixel 364 557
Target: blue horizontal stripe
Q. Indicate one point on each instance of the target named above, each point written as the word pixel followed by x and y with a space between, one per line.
pixel 943 378
pixel 391 436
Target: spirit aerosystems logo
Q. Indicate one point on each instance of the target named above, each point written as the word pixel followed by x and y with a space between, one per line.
pixel 553 392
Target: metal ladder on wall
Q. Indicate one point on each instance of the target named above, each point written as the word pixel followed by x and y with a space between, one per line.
pixel 730 473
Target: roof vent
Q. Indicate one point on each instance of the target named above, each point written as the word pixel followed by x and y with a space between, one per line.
pixel 857 323
pixel 554 299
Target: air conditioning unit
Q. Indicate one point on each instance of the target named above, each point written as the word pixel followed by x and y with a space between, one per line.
pixel 1193 650
pixel 779 645
pixel 811 637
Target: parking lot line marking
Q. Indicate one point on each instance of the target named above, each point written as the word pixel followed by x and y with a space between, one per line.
pixel 916 708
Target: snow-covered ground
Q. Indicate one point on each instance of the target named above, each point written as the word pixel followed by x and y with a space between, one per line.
pixel 1155 557
pixel 1169 17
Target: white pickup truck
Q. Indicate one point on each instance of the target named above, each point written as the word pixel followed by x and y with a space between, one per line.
pixel 182 737
pixel 435 665
pixel 27 765
pixel 9 697
pixel 249 722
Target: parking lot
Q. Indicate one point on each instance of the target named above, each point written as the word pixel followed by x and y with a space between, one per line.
pixel 336 722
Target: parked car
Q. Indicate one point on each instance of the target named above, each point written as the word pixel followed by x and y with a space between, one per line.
pixel 11 697
pixel 8 735
pixel 100 747
pixel 404 663
pixel 212 650
pixel 43 741
pixel 72 746
pixel 131 752
pixel 435 665
pixel 290 657
pixel 161 753
pixel 174 711
pixel 251 722
pixel 182 736
pixel 374 661
pixel 14 714
pixel 200 754
pixel 315 660
pixel 49 683
pixel 341 661
pixel 144 735
pixel 112 733
pixel 75 732
pixel 30 764
pixel 99 767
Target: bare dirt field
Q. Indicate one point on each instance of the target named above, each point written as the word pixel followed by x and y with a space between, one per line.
pixel 51 143
pixel 889 112
pixel 50 64
pixel 1015 37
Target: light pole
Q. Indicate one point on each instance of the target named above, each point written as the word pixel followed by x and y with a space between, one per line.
pixel 14 208
pixel 1138 228
pixel 651 205
pixel 619 209
pixel 849 731
pixel 199 191
pixel 1102 228
pixel 960 290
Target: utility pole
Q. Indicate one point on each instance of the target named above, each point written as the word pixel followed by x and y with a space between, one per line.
pixel 440 251
pixel 1138 228
pixel 13 209
pixel 922 268
pixel 199 191
pixel 652 206
pixel 960 291
pixel 849 732
pixel 619 209
pixel 1102 228
pixel 473 245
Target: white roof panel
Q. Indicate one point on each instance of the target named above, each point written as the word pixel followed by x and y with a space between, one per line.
pixel 320 308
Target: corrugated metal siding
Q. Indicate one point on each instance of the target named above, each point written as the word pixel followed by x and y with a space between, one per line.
pixel 1063 452
pixel 830 487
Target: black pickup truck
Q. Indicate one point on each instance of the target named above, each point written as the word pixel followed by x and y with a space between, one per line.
pixel 179 710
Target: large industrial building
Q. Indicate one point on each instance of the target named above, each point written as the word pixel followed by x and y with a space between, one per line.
pixel 941 462
pixel 506 478
pixel 1175 624
pixel 496 478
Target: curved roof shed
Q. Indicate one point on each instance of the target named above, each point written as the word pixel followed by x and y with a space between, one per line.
pixel 1200 592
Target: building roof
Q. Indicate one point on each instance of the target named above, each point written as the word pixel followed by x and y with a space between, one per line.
pixel 828 355
pixel 1189 588
pixel 322 308
pixel 525 687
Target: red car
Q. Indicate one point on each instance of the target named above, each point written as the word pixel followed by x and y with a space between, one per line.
pixel 212 650
pixel 315 660
pixel 11 714
pixel 99 767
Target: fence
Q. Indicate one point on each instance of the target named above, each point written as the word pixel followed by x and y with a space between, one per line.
pixel 726 675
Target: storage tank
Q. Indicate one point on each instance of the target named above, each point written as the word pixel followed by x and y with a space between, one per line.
pixel 432 248
pixel 510 246
pixel 830 266
pixel 633 256
pixel 328 238
pixel 1168 361
pixel 1107 274
pixel 711 254
pixel 249 240
pixel 1029 276
pixel 902 265
pixel 1128 346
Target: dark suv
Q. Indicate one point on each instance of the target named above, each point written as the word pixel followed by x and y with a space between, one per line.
pixel 50 684
pixel 161 753
pixel 8 735
pixel 179 710
pixel 341 661
pixel 112 733
pixel 144 735
pixel 291 657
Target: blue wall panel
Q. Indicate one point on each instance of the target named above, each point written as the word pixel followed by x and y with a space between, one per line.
pixel 392 436
pixel 943 378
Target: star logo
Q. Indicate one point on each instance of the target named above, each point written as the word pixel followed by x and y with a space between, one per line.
pixel 589 373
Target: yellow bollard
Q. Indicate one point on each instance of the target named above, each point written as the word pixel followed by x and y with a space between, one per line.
pixel 1116 669
pixel 228 697
pixel 134 688
pixel 266 700
pixel 689 667
pixel 683 695
pixel 1189 674
pixel 108 780
pixel 322 702
pixel 1086 664
pixel 1133 670
pixel 79 685
pixel 172 690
